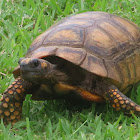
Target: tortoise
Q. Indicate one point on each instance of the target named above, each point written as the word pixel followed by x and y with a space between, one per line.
pixel 93 56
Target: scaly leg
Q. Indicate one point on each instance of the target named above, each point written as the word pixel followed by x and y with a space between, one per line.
pixel 120 102
pixel 12 100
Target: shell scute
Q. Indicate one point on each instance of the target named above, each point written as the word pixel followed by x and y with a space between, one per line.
pixel 99 42
pixel 44 51
pixel 117 34
pixel 133 30
pixel 65 36
pixel 77 23
pixel 91 15
pixel 74 55
pixel 94 65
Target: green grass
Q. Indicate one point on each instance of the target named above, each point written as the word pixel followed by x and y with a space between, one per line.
pixel 21 21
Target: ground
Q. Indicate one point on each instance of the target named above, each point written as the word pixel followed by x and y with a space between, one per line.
pixel 21 21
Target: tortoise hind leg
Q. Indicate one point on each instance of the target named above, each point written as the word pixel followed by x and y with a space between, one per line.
pixel 12 100
pixel 120 102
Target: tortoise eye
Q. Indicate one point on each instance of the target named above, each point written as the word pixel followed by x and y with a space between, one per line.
pixel 35 63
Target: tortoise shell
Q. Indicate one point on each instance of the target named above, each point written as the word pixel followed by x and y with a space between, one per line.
pixel 101 43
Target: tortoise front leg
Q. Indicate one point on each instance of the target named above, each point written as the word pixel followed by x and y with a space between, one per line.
pixel 12 100
pixel 120 102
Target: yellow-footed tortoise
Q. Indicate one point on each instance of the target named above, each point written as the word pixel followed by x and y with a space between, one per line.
pixel 94 56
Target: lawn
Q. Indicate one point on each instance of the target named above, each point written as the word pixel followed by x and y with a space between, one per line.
pixel 21 21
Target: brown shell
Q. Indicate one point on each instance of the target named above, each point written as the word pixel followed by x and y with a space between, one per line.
pixel 101 43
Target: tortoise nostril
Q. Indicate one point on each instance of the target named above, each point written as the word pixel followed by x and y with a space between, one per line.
pixel 22 65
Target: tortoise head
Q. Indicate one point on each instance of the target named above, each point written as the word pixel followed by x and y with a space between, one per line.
pixel 34 70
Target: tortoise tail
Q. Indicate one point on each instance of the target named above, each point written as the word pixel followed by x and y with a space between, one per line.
pixel 120 102
pixel 12 100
